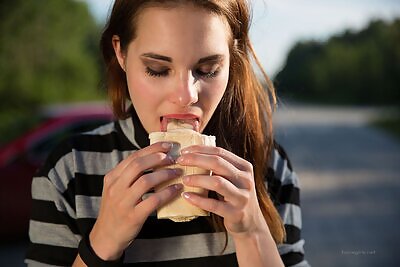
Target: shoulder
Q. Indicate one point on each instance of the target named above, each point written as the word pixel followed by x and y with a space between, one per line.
pixel 280 167
pixel 88 141
pixel 93 152
pixel 281 179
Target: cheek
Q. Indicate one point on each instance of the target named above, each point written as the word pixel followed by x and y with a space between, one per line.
pixel 143 92
pixel 216 90
pixel 212 95
pixel 146 99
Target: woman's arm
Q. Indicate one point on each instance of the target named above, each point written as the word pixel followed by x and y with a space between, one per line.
pixel 79 262
pixel 251 250
pixel 233 180
pixel 53 231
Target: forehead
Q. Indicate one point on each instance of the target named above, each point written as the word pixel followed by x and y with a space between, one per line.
pixel 184 29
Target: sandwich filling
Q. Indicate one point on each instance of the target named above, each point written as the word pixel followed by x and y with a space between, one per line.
pixel 173 124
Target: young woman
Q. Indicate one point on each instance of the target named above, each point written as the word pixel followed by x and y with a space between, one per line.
pixel 172 59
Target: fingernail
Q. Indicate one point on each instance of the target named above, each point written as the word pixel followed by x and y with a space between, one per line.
pixel 186 180
pixel 185 195
pixel 178 172
pixel 175 148
pixel 179 160
pixel 178 186
pixel 183 151
pixel 166 145
pixel 171 159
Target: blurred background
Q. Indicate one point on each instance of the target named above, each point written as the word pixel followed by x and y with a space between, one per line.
pixel 336 67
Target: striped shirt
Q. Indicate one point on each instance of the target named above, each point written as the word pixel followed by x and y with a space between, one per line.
pixel 66 195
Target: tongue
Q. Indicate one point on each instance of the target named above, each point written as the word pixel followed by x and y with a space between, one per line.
pixel 169 124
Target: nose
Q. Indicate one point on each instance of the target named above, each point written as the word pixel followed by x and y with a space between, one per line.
pixel 185 91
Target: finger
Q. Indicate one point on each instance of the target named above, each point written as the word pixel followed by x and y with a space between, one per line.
pixel 218 184
pixel 162 147
pixel 148 181
pixel 235 160
pixel 139 165
pixel 221 208
pixel 218 166
pixel 156 200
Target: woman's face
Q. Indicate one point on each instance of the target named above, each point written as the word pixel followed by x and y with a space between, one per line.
pixel 177 66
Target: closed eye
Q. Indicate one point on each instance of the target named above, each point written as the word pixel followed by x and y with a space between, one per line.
pixel 209 74
pixel 154 73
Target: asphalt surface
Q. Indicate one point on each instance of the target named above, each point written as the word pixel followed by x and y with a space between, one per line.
pixel 350 187
pixel 350 181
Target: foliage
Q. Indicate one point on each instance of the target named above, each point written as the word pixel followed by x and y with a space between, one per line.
pixel 48 53
pixel 350 68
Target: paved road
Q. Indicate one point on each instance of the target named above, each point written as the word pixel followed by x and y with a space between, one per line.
pixel 350 177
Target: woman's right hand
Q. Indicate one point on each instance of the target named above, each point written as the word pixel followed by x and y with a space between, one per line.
pixel 122 210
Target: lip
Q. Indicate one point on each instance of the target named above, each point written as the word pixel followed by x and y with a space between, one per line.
pixel 182 116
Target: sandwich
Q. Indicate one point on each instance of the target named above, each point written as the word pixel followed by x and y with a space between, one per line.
pixel 182 133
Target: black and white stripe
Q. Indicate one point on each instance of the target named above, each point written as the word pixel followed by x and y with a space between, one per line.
pixel 283 186
pixel 66 195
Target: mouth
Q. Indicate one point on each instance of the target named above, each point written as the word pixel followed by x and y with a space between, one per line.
pixel 173 122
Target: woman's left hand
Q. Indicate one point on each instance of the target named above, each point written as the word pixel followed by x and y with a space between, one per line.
pixel 233 179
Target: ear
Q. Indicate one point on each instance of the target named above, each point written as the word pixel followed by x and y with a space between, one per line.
pixel 118 51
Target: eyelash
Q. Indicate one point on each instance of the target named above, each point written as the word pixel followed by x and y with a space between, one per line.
pixel 208 75
pixel 153 73
pixel 164 73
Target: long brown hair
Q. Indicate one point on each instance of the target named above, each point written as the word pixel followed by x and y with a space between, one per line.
pixel 242 121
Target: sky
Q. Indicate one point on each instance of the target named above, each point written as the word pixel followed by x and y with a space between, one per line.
pixel 278 24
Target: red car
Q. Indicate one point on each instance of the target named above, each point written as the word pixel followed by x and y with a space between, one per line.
pixel 20 159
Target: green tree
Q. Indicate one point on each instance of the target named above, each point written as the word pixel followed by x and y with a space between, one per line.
pixel 349 68
pixel 48 53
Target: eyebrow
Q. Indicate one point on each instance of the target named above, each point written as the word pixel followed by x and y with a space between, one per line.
pixel 213 58
pixel 156 56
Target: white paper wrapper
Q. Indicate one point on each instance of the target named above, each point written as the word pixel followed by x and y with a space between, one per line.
pixel 180 210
